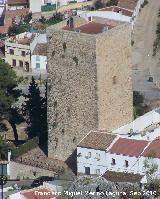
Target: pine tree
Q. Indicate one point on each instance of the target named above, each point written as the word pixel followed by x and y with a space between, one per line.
pixel 35 111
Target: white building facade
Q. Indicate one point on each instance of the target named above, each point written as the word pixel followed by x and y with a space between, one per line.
pixel 132 146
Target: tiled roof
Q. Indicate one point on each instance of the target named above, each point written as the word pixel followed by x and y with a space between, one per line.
pixel 90 28
pixel 97 140
pixel 18 12
pixel 128 4
pixel 153 149
pixel 128 147
pixel 93 28
pixel 122 177
pixel 31 194
pixel 40 49
pixel 124 11
pixel 9 16
pixel 19 2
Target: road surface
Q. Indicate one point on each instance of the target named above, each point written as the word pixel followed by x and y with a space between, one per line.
pixel 143 63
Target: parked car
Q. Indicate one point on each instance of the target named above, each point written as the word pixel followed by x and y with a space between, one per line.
pixel 39 181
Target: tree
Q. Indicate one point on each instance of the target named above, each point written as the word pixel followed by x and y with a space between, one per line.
pixel 98 4
pixel 4 148
pixel 138 102
pixel 35 111
pixel 8 95
pixel 17 29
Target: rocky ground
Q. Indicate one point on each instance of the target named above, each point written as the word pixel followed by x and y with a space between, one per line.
pixel 87 187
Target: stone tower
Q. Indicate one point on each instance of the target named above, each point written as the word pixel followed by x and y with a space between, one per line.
pixel 89 85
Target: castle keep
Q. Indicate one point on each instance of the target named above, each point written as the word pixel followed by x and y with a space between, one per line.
pixel 89 82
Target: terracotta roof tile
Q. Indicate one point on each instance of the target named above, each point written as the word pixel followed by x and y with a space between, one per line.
pixel 128 147
pixel 153 149
pixel 40 49
pixel 89 28
pixel 93 28
pixel 122 177
pixel 97 140
pixel 19 2
pixel 31 194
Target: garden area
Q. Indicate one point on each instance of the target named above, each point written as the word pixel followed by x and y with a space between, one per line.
pixel 31 116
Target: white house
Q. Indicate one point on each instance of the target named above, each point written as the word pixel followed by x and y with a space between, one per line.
pixel 91 153
pixel 146 127
pixel 39 58
pixel 19 50
pixel 124 156
pixel 125 150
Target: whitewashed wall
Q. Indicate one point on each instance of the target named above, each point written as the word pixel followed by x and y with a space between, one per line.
pixel 92 162
pixel 42 60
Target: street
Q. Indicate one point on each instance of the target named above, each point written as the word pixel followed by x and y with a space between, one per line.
pixel 144 65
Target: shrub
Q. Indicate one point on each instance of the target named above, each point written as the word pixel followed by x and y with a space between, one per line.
pixel 112 3
pixel 24 148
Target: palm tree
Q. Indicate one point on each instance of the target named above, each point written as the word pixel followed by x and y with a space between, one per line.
pixel 4 148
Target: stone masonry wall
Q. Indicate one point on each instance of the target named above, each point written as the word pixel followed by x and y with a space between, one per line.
pixel 114 74
pixel 89 85
pixel 72 98
pixel 25 171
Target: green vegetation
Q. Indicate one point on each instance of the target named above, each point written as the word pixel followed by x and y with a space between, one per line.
pixel 18 29
pixel 35 112
pixel 51 21
pixel 8 96
pixel 98 4
pixel 156 45
pixel 47 8
pixel 24 148
pixel 112 3
pixel 72 1
pixel 138 104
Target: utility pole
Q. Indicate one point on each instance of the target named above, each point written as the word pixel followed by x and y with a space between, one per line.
pixel 3 181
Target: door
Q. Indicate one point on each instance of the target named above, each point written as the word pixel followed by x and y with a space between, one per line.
pixel 87 170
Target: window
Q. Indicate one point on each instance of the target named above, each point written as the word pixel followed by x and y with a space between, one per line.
pixel 21 63
pixel 37 58
pixel 11 51
pixel 97 156
pixel 126 163
pixel 27 66
pixel 23 53
pixel 114 79
pixel 113 161
pixel 37 65
pixel 79 154
pixel 97 171
pixel 89 154
pixel 87 170
pixel 13 62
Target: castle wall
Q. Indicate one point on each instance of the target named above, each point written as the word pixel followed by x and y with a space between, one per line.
pixel 114 74
pixel 72 98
